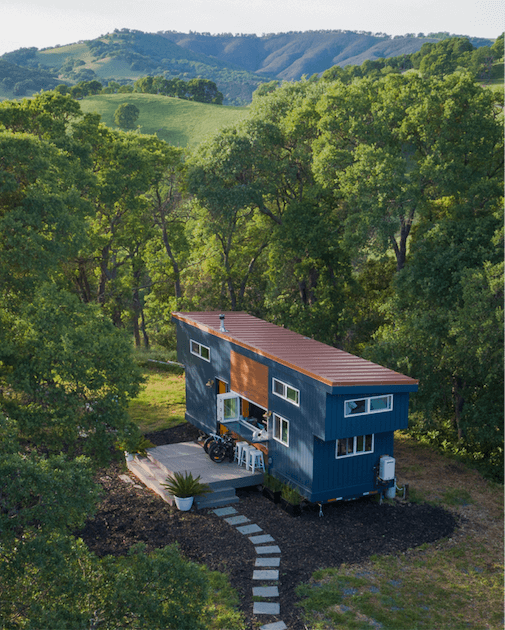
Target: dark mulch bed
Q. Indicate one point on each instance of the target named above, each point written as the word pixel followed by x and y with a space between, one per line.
pixel 348 532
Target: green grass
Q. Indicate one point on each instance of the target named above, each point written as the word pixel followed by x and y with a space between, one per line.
pixel 453 588
pixel 496 81
pixel 162 402
pixel 222 609
pixel 178 122
pixel 449 584
pixel 56 56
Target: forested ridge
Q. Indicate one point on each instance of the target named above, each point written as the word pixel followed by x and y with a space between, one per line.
pixel 366 214
pixel 238 63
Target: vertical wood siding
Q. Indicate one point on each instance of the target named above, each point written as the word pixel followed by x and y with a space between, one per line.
pixel 249 378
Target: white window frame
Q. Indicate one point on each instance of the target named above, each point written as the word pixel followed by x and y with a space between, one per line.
pixel 278 438
pixel 356 453
pixel 284 394
pixel 367 405
pixel 198 351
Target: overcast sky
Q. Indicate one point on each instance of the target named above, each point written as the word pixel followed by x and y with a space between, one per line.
pixel 45 23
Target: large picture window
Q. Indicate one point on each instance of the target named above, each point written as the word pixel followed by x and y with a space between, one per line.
pixel 374 404
pixel 357 445
pixel 199 350
pixel 281 429
pixel 283 390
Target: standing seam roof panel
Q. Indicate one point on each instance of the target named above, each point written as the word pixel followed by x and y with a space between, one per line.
pixel 322 362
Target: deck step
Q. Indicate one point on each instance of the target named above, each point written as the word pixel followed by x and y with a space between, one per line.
pixel 167 459
pixel 149 479
pixel 152 475
pixel 217 498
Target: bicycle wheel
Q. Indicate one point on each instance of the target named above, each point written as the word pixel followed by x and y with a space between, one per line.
pixel 207 443
pixel 217 452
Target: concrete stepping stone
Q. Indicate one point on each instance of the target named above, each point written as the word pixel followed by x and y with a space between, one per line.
pixel 258 540
pixel 268 549
pixel 265 591
pixel 249 529
pixel 266 608
pixel 265 574
pixel 226 511
pixel 237 520
pixel 278 625
pixel 267 562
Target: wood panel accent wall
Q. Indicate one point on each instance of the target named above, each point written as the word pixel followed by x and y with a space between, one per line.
pixel 249 379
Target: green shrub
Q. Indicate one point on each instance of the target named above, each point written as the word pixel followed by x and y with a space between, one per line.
pixel 272 483
pixel 291 494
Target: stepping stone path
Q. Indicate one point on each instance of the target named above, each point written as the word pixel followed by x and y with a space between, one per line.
pixel 264 571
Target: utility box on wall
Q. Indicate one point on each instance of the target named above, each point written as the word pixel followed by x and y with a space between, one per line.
pixel 387 468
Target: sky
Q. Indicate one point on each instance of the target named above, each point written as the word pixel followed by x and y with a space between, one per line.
pixel 47 23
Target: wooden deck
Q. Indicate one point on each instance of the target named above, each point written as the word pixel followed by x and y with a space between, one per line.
pixel 188 456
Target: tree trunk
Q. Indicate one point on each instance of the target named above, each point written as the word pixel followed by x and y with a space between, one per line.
pixel 175 265
pixel 459 402
pixel 143 328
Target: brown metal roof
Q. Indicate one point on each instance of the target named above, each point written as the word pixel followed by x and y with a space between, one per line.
pixel 313 358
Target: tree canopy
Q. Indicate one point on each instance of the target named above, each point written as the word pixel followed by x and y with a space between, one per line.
pixel 367 214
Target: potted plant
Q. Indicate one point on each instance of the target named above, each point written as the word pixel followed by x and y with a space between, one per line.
pixel 184 488
pixel 272 487
pixel 290 500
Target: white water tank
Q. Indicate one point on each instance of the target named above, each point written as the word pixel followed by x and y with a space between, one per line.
pixel 386 468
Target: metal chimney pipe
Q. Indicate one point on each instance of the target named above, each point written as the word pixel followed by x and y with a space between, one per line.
pixel 221 324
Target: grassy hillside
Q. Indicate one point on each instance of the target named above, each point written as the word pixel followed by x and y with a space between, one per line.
pixel 180 123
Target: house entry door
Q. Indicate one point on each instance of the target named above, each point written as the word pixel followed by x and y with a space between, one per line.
pixel 228 407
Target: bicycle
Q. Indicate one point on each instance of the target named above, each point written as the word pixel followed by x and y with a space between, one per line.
pixel 220 447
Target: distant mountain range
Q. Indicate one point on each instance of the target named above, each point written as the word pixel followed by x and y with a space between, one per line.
pixel 236 63
pixel 289 56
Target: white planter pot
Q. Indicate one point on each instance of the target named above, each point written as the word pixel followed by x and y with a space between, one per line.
pixel 184 504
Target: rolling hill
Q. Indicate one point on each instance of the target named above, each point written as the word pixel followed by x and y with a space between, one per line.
pixel 178 122
pixel 238 64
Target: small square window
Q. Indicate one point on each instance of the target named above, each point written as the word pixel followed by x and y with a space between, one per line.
pixel 355 406
pixel 278 388
pixel 381 403
pixel 292 395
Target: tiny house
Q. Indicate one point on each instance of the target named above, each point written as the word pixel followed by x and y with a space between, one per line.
pixel 324 418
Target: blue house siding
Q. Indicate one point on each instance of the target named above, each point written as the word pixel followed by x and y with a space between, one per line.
pixel 200 399
pixel 338 426
pixel 349 476
pixel 309 462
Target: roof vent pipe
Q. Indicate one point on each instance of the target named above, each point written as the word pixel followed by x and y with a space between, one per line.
pixel 221 325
